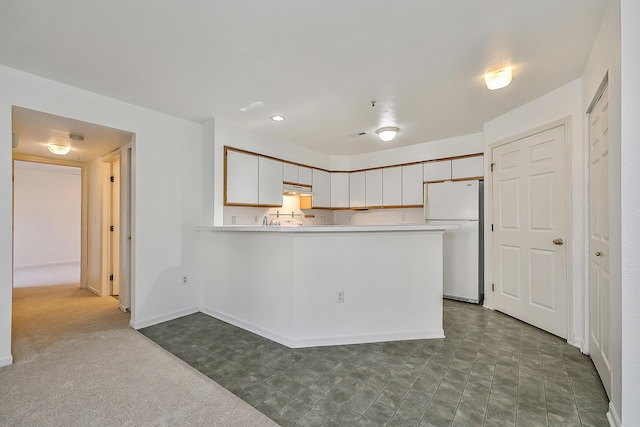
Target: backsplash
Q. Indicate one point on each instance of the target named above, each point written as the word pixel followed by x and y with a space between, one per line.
pixel 240 215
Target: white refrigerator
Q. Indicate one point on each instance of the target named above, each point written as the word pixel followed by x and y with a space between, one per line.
pixel 459 203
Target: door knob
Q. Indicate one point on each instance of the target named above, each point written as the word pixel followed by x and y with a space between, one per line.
pixel 558 241
pixel 598 253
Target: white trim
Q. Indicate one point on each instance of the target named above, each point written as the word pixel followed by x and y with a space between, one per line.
pixel 94 290
pixel 488 155
pixel 47 264
pixel 6 360
pixel 163 318
pixel 612 416
pixel 322 341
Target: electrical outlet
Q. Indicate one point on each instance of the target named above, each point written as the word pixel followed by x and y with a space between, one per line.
pixel 185 280
pixel 233 220
pixel 404 218
pixel 255 219
pixel 340 296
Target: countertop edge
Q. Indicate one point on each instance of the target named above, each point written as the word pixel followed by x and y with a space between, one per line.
pixel 329 228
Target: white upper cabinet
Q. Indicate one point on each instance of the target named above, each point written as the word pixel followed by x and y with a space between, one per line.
pixel 340 189
pixel 437 171
pixel 321 189
pixel 269 182
pixel 290 173
pixel 468 167
pixel 373 188
pixel 305 176
pixel 412 185
pixel 296 174
pixel 392 186
pixel 242 178
pixel 357 190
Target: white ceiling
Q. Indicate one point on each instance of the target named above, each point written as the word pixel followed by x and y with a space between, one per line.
pixel 319 63
pixel 36 130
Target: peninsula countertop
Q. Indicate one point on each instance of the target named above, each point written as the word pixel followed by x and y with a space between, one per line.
pixel 328 228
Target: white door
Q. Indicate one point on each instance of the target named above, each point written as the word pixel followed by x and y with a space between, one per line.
pixel 599 309
pixel 529 255
pixel 114 235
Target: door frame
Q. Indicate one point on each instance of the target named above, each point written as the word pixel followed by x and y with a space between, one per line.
pixel 84 207
pixel 489 214
pixel 604 84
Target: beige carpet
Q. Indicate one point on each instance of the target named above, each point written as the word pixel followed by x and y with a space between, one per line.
pixel 78 363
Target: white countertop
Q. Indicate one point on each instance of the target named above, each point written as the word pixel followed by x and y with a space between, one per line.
pixel 329 228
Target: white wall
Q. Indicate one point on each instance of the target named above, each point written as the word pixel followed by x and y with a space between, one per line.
pixel 630 222
pixel 437 149
pixel 95 218
pixel 605 58
pixel 167 191
pixel 46 214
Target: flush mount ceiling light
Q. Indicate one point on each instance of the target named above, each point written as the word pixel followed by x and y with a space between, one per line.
pixel 388 133
pixel 277 118
pixel 498 79
pixel 59 149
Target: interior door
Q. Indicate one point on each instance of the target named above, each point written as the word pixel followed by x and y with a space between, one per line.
pixel 599 308
pixel 529 256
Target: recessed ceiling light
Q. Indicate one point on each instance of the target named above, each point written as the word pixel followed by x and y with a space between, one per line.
pixel 388 133
pixel 277 118
pixel 498 79
pixel 59 149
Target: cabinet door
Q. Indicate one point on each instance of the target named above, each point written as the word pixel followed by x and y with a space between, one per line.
pixel 270 182
pixel 241 179
pixel 373 188
pixel 321 189
pixel 357 190
pixel 392 186
pixel 437 171
pixel 305 176
pixel 469 167
pixel 412 185
pixel 290 173
pixel 340 190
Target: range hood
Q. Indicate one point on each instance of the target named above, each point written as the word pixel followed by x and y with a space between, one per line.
pixel 296 190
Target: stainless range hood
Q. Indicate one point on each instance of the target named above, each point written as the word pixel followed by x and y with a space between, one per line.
pixel 296 190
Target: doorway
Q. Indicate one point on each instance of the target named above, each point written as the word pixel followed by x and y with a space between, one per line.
pixel 529 221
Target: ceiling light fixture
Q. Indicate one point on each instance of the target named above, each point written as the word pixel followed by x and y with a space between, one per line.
pixel 59 149
pixel 388 133
pixel 76 137
pixel 277 118
pixel 498 79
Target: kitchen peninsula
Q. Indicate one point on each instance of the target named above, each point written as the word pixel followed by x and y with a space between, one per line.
pixel 325 285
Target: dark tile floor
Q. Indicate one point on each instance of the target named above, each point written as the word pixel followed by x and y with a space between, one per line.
pixel 490 370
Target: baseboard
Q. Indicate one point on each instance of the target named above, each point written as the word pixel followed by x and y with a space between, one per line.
pixel 612 416
pixel 322 341
pixel 94 290
pixel 47 264
pixel 6 360
pixel 139 324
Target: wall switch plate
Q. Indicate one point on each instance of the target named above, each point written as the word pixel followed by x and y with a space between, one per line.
pixel 233 220
pixel 340 296
pixel 185 280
